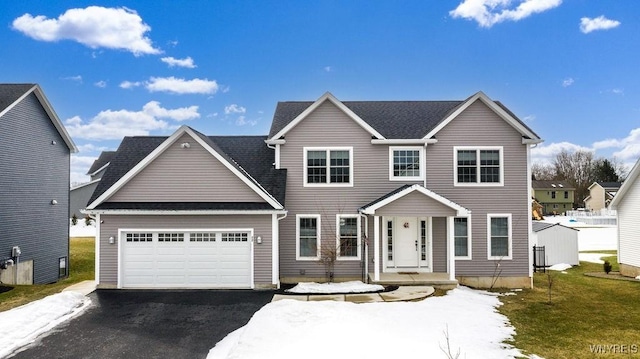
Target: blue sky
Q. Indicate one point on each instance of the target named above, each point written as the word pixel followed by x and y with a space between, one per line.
pixel 569 69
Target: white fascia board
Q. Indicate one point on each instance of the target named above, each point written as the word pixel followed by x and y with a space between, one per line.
pixel 404 141
pixel 628 183
pixel 326 97
pixel 493 106
pixel 244 177
pixel 99 169
pixel 84 184
pixel 529 141
pixel 460 211
pixel 163 147
pixel 279 141
pixel 145 212
pixel 50 112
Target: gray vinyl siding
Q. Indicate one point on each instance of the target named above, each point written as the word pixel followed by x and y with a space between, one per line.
pixel 79 197
pixel 371 180
pixel 185 175
pixel 479 126
pixel 414 204
pixel 476 126
pixel 33 172
pixel 629 231
pixel 261 225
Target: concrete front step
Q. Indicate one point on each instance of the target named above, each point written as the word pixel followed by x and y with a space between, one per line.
pixel 402 294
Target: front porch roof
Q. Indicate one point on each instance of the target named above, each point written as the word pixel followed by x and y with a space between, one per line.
pixel 405 190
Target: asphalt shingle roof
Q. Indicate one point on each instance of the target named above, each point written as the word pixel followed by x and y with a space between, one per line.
pixel 9 93
pixel 247 153
pixel 392 119
pixel 539 184
pixel 102 160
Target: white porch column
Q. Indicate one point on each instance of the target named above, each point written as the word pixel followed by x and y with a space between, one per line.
pixel 376 248
pixel 451 259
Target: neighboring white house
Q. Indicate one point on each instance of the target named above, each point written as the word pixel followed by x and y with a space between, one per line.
pixel 627 203
pixel 560 242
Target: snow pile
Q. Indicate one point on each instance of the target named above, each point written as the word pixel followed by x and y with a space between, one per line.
pixel 593 257
pixel 328 329
pixel 638 277
pixel 560 267
pixel 331 288
pixel 81 229
pixel 20 326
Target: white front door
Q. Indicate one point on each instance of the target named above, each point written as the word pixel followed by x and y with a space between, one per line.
pixel 406 246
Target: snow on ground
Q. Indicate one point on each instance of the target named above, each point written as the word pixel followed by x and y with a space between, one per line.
pixel 21 325
pixel 329 288
pixel 590 238
pixel 81 229
pixel 560 267
pixel 327 329
pixel 593 257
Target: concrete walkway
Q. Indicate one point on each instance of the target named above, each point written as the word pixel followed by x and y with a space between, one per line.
pixel 402 294
pixel 85 287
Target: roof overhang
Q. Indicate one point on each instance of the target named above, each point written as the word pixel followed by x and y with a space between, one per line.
pixel 529 137
pixel 371 208
pixel 404 141
pixel 180 212
pixel 278 137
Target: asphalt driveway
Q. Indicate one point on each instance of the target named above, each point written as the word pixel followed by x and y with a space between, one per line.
pixel 150 324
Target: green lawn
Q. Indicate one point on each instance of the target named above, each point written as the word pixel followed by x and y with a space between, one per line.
pixel 584 312
pixel 81 267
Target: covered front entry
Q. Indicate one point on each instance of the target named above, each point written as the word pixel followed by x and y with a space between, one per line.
pixel 413 232
pixel 407 244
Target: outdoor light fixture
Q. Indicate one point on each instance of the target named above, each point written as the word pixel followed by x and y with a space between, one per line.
pixel 259 240
pixel 53 201
pixel 185 145
pixel 112 240
pixel 53 142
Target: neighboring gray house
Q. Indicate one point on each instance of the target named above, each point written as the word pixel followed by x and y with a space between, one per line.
pixel 560 243
pixel 80 194
pixel 627 205
pixel 35 153
pixel 389 187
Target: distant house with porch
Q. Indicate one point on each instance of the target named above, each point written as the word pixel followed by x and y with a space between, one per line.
pixel 600 195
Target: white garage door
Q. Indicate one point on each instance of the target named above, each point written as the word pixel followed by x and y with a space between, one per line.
pixel 207 259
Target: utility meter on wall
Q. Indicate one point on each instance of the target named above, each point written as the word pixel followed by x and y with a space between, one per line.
pixel 15 251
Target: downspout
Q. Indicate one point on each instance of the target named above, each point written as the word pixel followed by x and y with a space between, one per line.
pixel 276 251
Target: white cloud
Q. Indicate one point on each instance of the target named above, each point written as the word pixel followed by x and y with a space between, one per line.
pixel 76 78
pixel 94 26
pixel 546 153
pixel 172 61
pixel 111 125
pixel 328 69
pixel 101 84
pixel 490 12
pixel 233 108
pixel 588 25
pixel 530 118
pixel 242 121
pixel 181 86
pixel 129 84
pixel 79 166
pixel 567 82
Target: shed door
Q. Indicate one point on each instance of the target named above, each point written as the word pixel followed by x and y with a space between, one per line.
pixel 208 259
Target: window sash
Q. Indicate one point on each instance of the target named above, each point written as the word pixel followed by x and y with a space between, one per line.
pixel 406 163
pixel 461 237
pixel 478 166
pixel 348 236
pixel 308 237
pixel 499 237
pixel 328 166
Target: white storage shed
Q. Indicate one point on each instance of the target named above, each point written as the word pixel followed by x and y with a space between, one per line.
pixel 560 242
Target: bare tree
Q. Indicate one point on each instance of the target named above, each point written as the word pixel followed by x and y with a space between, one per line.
pixel 577 169
pixel 542 172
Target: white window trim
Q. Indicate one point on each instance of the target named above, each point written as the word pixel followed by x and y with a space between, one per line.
pixel 328 150
pixel 359 237
pixel 318 233
pixel 477 183
pixel 510 239
pixel 469 242
pixel 422 163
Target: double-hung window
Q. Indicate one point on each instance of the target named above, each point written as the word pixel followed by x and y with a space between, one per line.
pixel 499 236
pixel 475 166
pixel 348 236
pixel 406 163
pixel 328 166
pixel 307 237
pixel 462 237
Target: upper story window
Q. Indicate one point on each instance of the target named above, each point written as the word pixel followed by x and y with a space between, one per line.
pixel 553 194
pixel 566 194
pixel 328 166
pixel 406 163
pixel 478 166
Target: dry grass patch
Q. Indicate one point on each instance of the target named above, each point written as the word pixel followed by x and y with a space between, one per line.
pixel 81 268
pixel 584 312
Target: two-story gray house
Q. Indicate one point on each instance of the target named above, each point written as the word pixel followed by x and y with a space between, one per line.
pixel 368 190
pixel 81 193
pixel 35 153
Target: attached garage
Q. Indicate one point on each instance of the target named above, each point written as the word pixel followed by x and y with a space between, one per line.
pixel 185 258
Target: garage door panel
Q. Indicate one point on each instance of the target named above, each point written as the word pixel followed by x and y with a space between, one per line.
pixel 190 263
